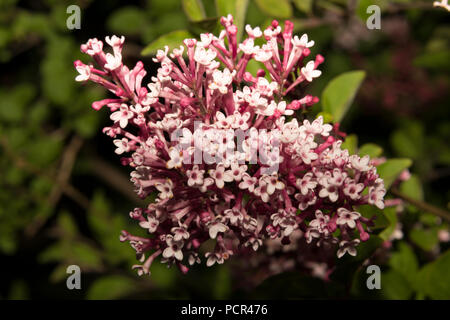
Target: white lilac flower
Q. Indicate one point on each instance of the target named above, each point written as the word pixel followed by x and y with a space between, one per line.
pixel 122 115
pixel 220 175
pixel 113 61
pixel 213 258
pixel 253 33
pixel 272 183
pixel 165 189
pixel 176 158
pixel 353 190
pixel 206 183
pixel 92 47
pixel 222 121
pixel 150 224
pixel 204 56
pixel 347 217
pixel 309 71
pixel 193 258
pixel 173 248
pixel 442 3
pixel 215 228
pixel 234 215
pixel 240 121
pixel 376 196
pixel 248 47
pixel 221 80
pixel 138 108
pixel 206 39
pixel 360 164
pixel 302 42
pixel 329 191
pixel 264 54
pixel 262 190
pixel 84 73
pixel 179 233
pixel 306 183
pixel 237 171
pixel 347 247
pixel 265 88
pixel 254 243
pixel 195 176
pixel 248 182
pixel 122 145
pixel 321 220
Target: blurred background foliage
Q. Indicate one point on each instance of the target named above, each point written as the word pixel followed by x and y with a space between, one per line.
pixel 64 196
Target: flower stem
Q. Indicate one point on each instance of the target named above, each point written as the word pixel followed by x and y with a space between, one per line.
pixel 422 205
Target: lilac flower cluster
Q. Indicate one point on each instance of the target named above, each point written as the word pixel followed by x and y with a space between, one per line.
pixel 232 202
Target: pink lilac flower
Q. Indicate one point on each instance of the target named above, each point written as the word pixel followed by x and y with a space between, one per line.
pixel 284 180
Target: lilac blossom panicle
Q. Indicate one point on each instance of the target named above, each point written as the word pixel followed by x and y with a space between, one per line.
pixel 233 200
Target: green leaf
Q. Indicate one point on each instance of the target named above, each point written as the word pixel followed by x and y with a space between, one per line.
pixel 327 117
pixel 85 256
pixel 340 92
pixel 194 9
pixel 390 170
pixel 43 151
pixel 58 274
pixel 107 227
pixel 434 60
pixel 205 25
pixel 253 66
pixel 370 149
pixel 67 224
pixel 404 261
pixel 13 102
pixel 434 278
pixel 429 219
pixel 87 123
pixel 391 216
pixel 426 239
pixel 110 287
pixel 350 143
pixel 275 8
pixel 368 211
pixel 237 8
pixel 57 74
pixel 38 113
pixel 127 20
pixel 395 286
pixel 304 5
pixel 409 141
pixel 53 253
pixel 412 188
pixel 41 186
pixel 405 145
pixel 172 39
